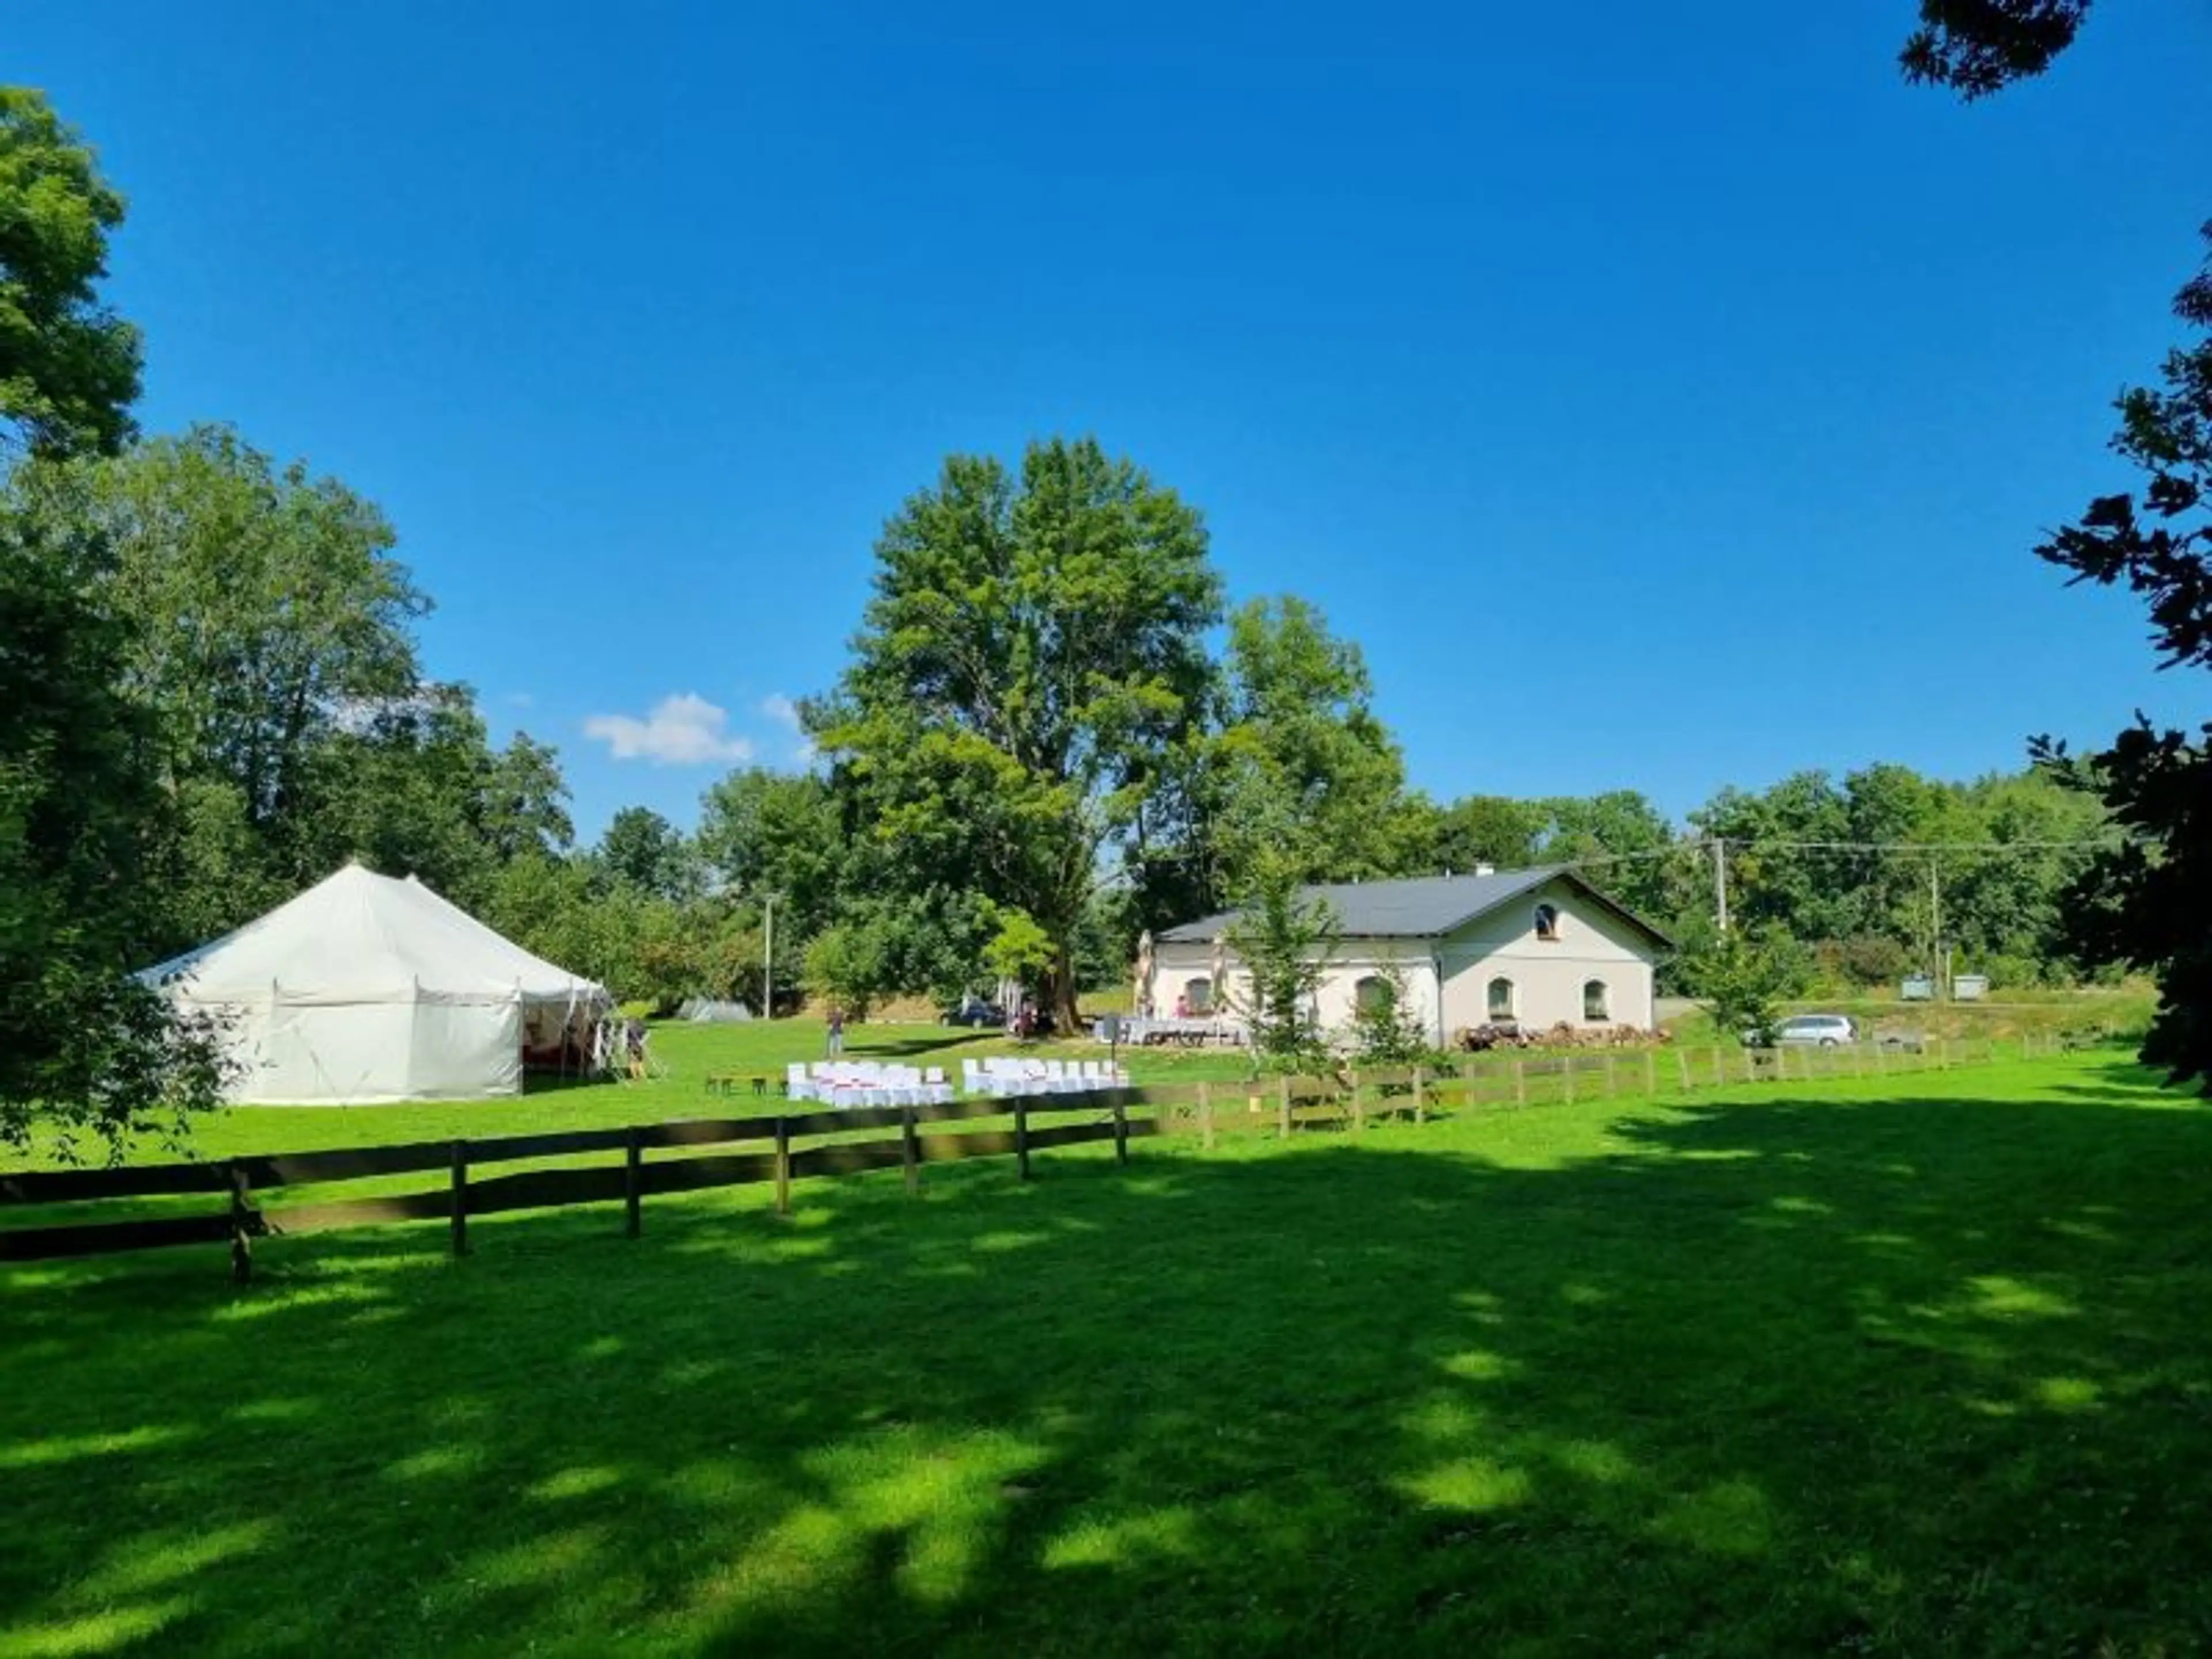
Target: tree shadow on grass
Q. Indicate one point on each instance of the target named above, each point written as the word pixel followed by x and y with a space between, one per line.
pixel 1912 1376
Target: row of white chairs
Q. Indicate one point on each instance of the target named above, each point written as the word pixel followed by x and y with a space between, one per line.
pixel 876 1083
pixel 1013 1076
pixel 866 1083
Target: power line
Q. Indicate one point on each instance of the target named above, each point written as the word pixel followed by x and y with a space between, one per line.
pixel 1923 847
pixel 1742 844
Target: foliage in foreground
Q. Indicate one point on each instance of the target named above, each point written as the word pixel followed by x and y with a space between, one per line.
pixel 2145 904
pixel 87 1050
pixel 1285 940
pixel 1742 981
pixel 1386 1027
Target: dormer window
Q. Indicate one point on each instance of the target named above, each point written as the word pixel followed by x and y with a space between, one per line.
pixel 1547 922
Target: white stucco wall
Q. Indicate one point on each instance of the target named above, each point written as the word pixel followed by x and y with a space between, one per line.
pixel 1353 959
pixel 1547 976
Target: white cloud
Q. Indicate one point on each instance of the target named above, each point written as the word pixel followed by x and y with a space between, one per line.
pixel 781 709
pixel 684 730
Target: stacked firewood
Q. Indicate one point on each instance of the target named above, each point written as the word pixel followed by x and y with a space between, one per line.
pixel 1479 1039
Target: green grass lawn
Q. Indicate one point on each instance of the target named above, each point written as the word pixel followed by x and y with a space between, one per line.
pixel 688 1055
pixel 1917 1366
pixel 2092 1013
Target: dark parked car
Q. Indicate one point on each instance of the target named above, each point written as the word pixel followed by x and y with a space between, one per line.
pixel 976 1013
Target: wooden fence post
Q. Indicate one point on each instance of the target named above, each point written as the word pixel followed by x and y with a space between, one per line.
pixel 1652 1072
pixel 1567 1076
pixel 1682 1065
pixel 1121 1128
pixel 910 1149
pixel 241 1212
pixel 782 1165
pixel 460 1198
pixel 1420 1095
pixel 1750 1067
pixel 1022 1136
pixel 1942 1054
pixel 1283 1105
pixel 1358 1106
pixel 1520 1081
pixel 1205 1115
pixel 633 1183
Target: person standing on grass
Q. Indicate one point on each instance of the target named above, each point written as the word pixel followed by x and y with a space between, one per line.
pixel 836 1031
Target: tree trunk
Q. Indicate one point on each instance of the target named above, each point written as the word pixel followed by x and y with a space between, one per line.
pixel 1061 990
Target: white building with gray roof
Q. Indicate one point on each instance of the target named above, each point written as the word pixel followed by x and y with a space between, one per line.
pixel 1535 948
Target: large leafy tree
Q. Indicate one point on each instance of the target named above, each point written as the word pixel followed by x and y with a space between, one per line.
pixel 777 835
pixel 645 850
pixel 1627 844
pixel 1301 749
pixel 525 802
pixel 399 786
pixel 776 843
pixel 272 614
pixel 1467 833
pixel 1032 659
pixel 270 641
pixel 69 365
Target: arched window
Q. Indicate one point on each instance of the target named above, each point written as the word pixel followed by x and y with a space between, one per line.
pixel 1373 994
pixel 1594 1004
pixel 1198 995
pixel 1548 922
pixel 1501 999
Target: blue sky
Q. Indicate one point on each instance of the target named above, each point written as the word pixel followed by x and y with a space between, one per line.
pixel 1661 402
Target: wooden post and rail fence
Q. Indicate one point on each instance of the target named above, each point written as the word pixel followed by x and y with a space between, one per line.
pixel 789 1147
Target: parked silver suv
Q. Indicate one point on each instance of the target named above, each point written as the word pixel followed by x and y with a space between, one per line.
pixel 1817 1032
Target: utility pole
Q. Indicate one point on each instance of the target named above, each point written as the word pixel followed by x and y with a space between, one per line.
pixel 767 960
pixel 1935 930
pixel 1719 882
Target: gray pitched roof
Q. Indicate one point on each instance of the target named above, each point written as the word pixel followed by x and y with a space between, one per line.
pixel 1424 907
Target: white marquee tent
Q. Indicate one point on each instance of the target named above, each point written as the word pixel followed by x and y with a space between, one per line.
pixel 365 989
